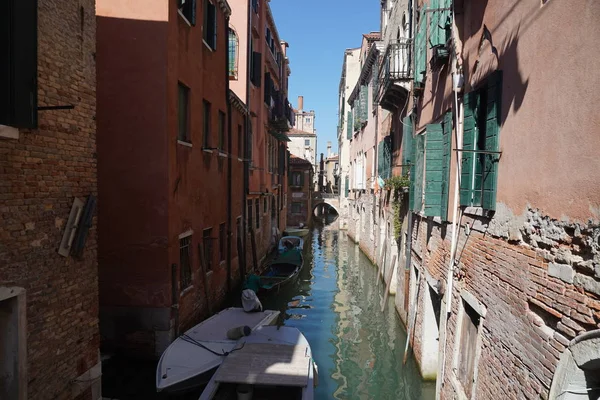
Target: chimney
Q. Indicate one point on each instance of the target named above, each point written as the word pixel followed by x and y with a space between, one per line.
pixel 284 47
pixel 300 103
pixel 328 149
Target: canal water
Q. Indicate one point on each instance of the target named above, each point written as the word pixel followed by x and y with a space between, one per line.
pixel 336 304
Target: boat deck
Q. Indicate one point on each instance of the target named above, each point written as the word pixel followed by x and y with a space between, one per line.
pixel 266 364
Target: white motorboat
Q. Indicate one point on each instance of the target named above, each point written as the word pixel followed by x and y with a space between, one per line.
pixel 193 357
pixel 290 242
pixel 271 363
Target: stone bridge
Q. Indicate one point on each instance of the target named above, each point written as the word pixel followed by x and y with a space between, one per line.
pixel 321 200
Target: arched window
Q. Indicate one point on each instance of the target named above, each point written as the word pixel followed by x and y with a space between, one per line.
pixel 233 54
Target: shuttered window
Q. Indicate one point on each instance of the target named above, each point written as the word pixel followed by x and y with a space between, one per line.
pixel 407 145
pixel 416 174
pixel 384 158
pixel 18 66
pixel 349 127
pixel 479 171
pixel 375 84
pixel 188 10
pixel 421 49
pixel 437 168
pixel 364 103
pixel 356 122
pixel 440 22
pixel 346 186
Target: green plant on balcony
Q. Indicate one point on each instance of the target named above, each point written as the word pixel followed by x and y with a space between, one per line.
pixel 397 183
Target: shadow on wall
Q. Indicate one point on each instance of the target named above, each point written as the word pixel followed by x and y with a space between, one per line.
pixel 497 53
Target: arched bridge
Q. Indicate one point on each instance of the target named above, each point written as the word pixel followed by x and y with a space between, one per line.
pixel 325 199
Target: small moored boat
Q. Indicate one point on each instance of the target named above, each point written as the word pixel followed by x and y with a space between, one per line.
pixel 283 270
pixel 271 363
pixel 193 357
pixel 290 242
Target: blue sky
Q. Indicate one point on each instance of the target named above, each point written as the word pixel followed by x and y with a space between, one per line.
pixel 318 32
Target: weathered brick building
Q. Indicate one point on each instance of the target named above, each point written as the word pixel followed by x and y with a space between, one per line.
pixel 498 277
pixel 170 134
pixel 48 259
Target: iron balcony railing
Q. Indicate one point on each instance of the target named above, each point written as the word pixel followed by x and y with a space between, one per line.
pixel 396 61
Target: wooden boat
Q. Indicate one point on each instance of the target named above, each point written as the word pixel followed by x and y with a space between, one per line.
pixel 302 232
pixel 284 269
pixel 271 363
pixel 290 242
pixel 192 358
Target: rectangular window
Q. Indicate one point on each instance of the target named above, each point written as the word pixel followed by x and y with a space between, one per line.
pixel 249 213
pixel 233 54
pixel 222 242
pixel 407 145
pixel 187 8
pixel 465 367
pixel 265 205
pixel 207 242
pixel 307 142
pixel 240 142
pixel 13 336
pixel 221 130
pixel 206 130
pixel 255 6
pixel 256 69
pixel 257 209
pixel 479 161
pixel 18 68
pixel 210 24
pixel 250 144
pixel 296 178
pixel 416 174
pixel 296 207
pixel 185 269
pixel 184 114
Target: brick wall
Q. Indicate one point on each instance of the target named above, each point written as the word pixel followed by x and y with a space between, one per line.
pixel 533 311
pixel 40 175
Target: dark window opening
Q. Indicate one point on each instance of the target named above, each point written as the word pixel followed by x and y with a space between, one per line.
pixel 185 270
pixel 222 242
pixel 206 131
pixel 184 114
pixel 210 24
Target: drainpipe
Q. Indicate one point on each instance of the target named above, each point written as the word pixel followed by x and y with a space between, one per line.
pixel 229 161
pixel 248 127
pixel 456 213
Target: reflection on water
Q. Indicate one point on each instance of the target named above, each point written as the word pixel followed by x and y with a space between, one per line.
pixel 336 304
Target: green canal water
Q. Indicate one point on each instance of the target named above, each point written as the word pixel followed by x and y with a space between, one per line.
pixel 336 304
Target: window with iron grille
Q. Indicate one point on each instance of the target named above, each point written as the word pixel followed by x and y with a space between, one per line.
pixel 207 243
pixel 222 242
pixel 210 24
pixel 185 270
pixel 233 54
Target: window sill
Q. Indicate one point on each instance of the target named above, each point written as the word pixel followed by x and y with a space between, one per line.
pixel 184 143
pixel 223 155
pixel 240 159
pixel 8 132
pixel 208 46
pixel 477 212
pixel 184 18
pixel 207 151
pixel 209 273
pixel 222 264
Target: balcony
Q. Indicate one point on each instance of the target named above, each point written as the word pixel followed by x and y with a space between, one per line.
pixel 395 75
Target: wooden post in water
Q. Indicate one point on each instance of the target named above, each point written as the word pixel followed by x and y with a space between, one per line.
pixel 204 278
pixel 411 324
pixel 254 258
pixel 389 274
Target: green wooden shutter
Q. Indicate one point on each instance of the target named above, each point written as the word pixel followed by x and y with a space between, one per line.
pixel 364 103
pixel 434 18
pixel 434 170
pixel 421 49
pixel 356 112
pixel 440 21
pixel 349 127
pixel 492 130
pixel 446 165
pixel 384 157
pixel 407 145
pixel 417 176
pixel 375 82
pixel 468 159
